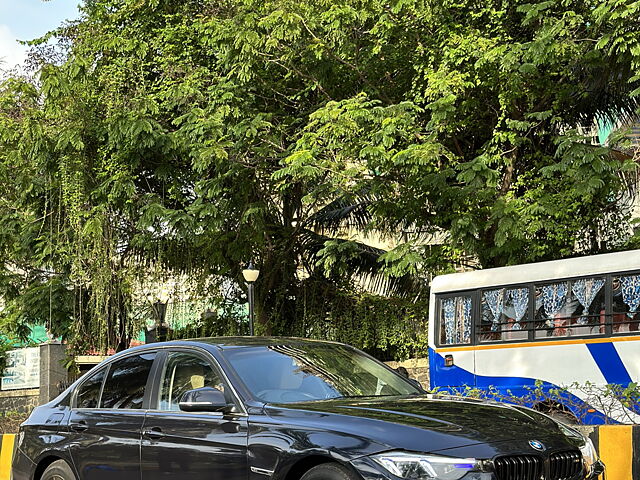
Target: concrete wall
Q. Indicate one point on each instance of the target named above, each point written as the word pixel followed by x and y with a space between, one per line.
pixel 7 446
pixel 21 401
pixel 52 370
pixel 619 449
pixel 52 374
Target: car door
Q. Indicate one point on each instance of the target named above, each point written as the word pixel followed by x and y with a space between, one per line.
pixel 197 446
pixel 107 418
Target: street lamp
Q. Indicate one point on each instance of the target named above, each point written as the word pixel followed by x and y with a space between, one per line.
pixel 159 330
pixel 250 275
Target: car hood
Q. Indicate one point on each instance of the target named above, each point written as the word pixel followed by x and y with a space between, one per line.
pixel 430 423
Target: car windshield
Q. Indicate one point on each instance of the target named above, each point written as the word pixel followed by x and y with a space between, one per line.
pixel 307 372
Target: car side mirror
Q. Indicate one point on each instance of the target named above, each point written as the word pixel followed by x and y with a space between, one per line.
pixel 205 399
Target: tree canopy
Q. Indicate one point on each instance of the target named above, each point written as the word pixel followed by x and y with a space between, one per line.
pixel 192 136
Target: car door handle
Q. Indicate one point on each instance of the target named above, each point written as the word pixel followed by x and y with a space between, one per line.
pixel 80 426
pixel 153 432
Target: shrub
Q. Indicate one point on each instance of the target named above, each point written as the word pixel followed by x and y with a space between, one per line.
pixel 575 402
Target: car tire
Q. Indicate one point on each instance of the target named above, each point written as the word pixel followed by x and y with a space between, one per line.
pixel 330 471
pixel 58 470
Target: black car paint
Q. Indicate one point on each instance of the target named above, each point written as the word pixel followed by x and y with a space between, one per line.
pixel 109 435
pixel 260 438
pixel 434 424
pixel 197 446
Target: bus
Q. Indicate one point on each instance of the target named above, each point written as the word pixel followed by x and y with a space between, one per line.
pixel 564 328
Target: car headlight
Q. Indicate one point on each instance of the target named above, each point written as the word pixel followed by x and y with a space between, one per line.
pixel 587 449
pixel 589 454
pixel 426 467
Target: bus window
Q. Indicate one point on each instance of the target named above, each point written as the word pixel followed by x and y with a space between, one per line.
pixel 626 303
pixel 590 295
pixel 455 320
pixel 504 312
pixel 570 308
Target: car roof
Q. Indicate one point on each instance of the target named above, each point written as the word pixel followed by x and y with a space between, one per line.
pixel 220 344
pixel 226 343
pixel 233 342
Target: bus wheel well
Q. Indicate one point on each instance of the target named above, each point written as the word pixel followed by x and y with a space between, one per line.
pixel 301 467
pixel 42 466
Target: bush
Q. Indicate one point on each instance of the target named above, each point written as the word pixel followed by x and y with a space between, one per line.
pixel 10 421
pixel 575 402
pixel 5 346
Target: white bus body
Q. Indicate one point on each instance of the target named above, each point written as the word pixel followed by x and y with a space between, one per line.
pixel 559 323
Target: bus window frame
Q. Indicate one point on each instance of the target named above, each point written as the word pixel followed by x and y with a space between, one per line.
pixel 529 317
pixel 570 281
pixel 476 296
pixel 438 324
pixel 609 307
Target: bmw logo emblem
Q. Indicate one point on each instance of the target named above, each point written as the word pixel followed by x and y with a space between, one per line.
pixel 536 445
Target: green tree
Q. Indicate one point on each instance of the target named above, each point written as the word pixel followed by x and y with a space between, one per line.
pixel 489 143
pixel 154 142
pixel 192 136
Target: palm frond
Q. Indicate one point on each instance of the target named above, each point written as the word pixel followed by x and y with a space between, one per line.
pixel 364 264
pixel 349 211
pixel 607 96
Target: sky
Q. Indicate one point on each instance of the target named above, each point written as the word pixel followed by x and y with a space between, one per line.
pixel 26 20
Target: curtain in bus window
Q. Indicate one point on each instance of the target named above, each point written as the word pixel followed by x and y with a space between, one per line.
pixel 464 328
pixel 585 291
pixel 449 314
pixel 554 297
pixel 631 293
pixel 457 319
pixel 495 301
pixel 520 300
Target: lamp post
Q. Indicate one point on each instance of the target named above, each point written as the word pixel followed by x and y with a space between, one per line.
pixel 160 310
pixel 250 275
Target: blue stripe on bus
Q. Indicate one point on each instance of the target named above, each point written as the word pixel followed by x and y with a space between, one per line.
pixel 609 362
pixel 455 380
pixel 612 367
pixel 454 376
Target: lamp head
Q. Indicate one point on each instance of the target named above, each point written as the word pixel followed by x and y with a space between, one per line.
pixel 250 273
pixel 163 296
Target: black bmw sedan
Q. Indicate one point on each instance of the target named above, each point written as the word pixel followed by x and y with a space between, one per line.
pixel 283 409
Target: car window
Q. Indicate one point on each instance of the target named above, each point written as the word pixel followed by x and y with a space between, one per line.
pixel 183 372
pixel 126 382
pixel 89 392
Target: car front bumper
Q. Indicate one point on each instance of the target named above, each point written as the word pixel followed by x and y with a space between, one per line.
pixel 369 470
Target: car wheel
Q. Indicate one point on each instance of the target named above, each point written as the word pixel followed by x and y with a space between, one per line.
pixel 58 470
pixel 330 471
